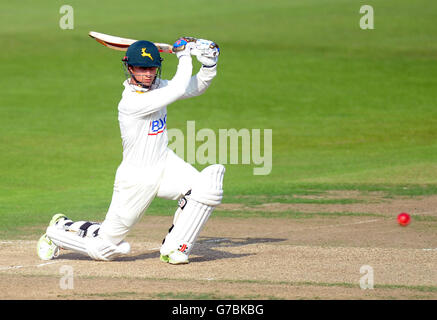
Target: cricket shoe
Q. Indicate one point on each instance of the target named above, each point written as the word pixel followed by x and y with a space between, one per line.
pixel 46 249
pixel 56 218
pixel 175 257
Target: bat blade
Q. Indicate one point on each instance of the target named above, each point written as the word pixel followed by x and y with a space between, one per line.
pixel 121 44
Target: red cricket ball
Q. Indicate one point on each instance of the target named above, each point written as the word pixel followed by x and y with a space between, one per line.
pixel 404 219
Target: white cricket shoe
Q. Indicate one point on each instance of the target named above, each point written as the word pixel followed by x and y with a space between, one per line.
pixel 175 257
pixel 46 249
pixel 56 218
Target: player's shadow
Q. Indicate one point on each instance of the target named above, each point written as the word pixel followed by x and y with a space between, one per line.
pixel 69 255
pixel 78 256
pixel 206 249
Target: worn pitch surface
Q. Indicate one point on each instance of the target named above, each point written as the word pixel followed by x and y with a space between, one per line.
pixel 241 258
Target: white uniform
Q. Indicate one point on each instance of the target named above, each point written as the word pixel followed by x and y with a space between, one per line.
pixel 149 168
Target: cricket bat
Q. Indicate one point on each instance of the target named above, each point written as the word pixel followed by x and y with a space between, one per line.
pixel 122 44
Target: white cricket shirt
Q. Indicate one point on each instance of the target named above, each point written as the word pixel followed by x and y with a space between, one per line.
pixel 143 114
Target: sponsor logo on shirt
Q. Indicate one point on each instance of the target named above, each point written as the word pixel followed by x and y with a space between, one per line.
pixel 157 126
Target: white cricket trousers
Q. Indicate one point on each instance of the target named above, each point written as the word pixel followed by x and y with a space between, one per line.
pixel 136 187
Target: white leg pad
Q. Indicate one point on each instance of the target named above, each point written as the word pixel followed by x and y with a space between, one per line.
pixel 67 240
pixel 189 222
pixel 95 247
pixel 176 215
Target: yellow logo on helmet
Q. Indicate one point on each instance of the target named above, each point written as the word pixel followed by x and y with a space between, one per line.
pixel 145 54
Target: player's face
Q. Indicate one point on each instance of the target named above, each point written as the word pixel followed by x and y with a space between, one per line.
pixel 144 75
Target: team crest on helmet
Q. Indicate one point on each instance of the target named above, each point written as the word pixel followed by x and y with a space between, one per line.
pixel 146 54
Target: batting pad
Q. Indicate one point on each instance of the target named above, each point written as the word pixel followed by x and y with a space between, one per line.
pixel 206 194
pixel 67 240
pixel 95 247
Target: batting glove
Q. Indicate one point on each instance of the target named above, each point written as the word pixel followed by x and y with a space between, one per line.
pixel 207 61
pixel 183 46
pixel 207 52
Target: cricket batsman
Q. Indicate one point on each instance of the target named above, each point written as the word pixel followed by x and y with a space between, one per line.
pixel 149 168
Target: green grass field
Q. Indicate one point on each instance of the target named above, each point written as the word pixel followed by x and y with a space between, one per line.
pixel 349 108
